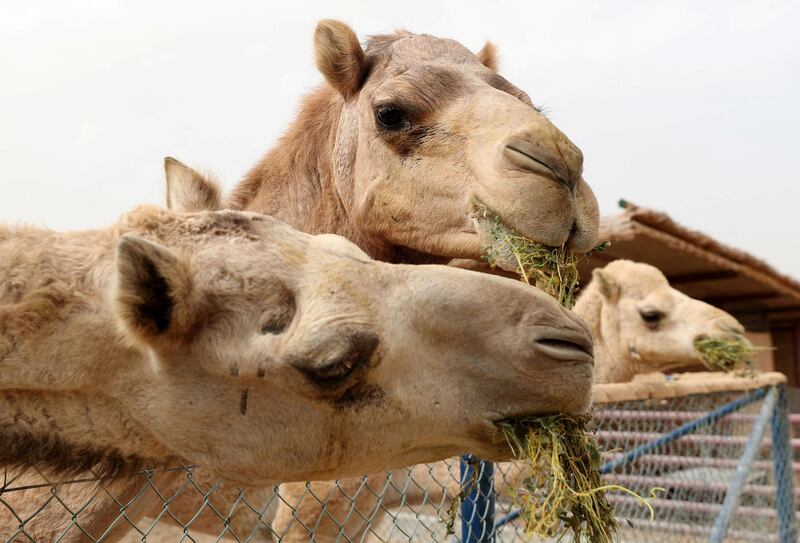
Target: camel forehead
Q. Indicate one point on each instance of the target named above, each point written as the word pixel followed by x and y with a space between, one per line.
pixel 411 49
pixel 206 226
pixel 638 279
pixel 428 71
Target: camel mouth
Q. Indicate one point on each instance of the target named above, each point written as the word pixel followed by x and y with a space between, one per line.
pixel 486 221
pixel 519 425
pixel 566 350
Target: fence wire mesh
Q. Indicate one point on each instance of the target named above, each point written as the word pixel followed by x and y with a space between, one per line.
pixel 411 504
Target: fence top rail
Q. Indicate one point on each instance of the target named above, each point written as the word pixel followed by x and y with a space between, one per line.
pixel 660 386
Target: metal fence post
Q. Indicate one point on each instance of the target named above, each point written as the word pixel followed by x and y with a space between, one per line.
pixel 477 509
pixel 784 482
pixel 734 492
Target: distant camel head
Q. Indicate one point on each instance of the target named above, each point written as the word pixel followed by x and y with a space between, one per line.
pixel 411 137
pixel 641 324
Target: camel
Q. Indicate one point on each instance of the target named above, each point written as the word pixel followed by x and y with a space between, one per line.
pixel 640 324
pixel 401 149
pixel 229 340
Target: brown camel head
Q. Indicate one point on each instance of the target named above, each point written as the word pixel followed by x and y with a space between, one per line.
pixel 415 134
pixel 641 324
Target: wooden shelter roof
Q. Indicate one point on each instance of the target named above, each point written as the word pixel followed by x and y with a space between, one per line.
pixel 697 264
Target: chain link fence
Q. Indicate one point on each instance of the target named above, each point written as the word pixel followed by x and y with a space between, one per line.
pixel 723 460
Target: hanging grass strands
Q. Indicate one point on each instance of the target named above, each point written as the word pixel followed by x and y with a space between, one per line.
pixel 561 492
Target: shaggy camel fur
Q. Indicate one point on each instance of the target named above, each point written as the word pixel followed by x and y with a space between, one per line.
pixel 229 340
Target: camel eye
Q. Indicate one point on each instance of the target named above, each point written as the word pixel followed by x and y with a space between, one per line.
pixel 333 372
pixel 275 325
pixel 651 317
pixel 391 117
pixel 352 353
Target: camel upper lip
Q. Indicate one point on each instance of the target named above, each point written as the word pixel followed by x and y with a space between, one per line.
pixel 543 162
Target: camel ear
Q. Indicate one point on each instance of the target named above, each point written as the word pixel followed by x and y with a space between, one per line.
pixel 152 288
pixel 339 56
pixel 606 284
pixel 188 190
pixel 488 55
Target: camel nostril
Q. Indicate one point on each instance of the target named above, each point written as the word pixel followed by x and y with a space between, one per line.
pixel 531 158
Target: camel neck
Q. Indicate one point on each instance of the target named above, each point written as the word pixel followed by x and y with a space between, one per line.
pixel 608 366
pixel 295 181
pixel 64 357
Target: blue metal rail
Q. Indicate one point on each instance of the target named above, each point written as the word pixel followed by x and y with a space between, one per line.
pixel 477 509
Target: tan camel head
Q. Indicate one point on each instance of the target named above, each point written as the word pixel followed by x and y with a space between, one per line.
pixel 302 354
pixel 238 343
pixel 423 132
pixel 641 324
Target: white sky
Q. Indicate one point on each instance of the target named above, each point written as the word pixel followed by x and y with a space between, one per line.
pixel 689 107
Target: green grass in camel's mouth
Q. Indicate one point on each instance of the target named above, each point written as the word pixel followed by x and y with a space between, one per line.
pixel 551 269
pixel 727 354
pixel 560 490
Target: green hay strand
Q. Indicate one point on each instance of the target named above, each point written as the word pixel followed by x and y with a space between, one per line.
pixel 455 503
pixel 561 491
pixel 727 354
